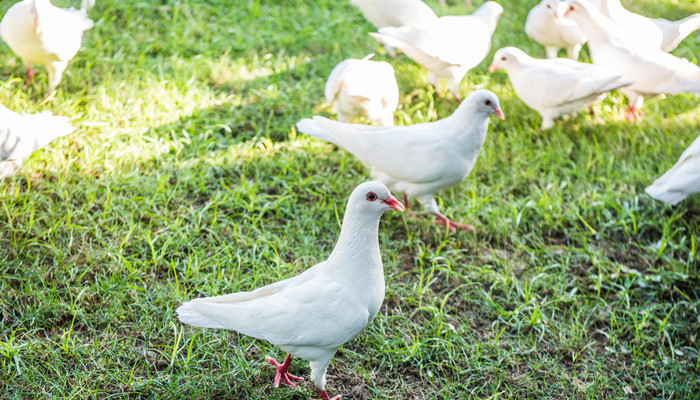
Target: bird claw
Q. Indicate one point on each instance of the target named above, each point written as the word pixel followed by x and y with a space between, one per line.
pixel 282 371
pixel 451 225
pixel 633 114
pixel 324 395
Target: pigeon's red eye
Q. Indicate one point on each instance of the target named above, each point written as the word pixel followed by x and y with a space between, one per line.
pixel 371 196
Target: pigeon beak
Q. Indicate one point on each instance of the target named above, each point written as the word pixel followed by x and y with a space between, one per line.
pixel 493 67
pixel 556 15
pixel 500 114
pixel 393 203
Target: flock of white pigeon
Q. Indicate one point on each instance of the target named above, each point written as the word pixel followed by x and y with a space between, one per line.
pixel 299 315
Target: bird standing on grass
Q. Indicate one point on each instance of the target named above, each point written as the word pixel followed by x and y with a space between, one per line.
pixel 312 314
pixel 40 33
pixel 21 135
pixel 363 87
pixel 681 180
pixel 547 26
pixel 448 47
pixel 555 87
pixel 652 71
pixel 417 160
pixel 381 13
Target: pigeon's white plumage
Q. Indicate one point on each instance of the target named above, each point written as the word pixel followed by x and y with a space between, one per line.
pixel 363 87
pixel 657 32
pixel 547 26
pixel 420 159
pixel 312 314
pixel 651 71
pixel 681 180
pixel 448 47
pixel 557 86
pixel 381 13
pixel 40 33
pixel 22 134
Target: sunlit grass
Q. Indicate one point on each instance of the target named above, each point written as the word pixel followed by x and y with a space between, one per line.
pixel 186 178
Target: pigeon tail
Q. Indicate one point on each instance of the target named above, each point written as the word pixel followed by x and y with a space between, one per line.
pixel 187 314
pixel 660 193
pixel 675 31
pixel 310 127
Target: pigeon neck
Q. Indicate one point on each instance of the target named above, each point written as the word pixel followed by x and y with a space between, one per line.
pixel 595 24
pixel 359 238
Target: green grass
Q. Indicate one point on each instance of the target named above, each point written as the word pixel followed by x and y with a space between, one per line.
pixel 186 178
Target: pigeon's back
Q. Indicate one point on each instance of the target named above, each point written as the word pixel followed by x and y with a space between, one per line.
pixel 381 13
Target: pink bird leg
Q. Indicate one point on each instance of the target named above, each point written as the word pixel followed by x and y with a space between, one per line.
pixel 30 75
pixel 451 225
pixel 324 395
pixel 282 371
pixel 405 199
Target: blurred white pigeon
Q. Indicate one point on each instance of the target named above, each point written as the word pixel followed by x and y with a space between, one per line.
pixel 417 160
pixel 381 13
pixel 681 180
pixel 657 32
pixel 651 71
pixel 21 135
pixel 448 47
pixel 363 87
pixel 312 314
pixel 40 33
pixel 547 26
pixel 557 86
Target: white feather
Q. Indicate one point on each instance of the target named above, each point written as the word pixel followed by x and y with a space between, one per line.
pixel 39 33
pixel 21 135
pixel 681 180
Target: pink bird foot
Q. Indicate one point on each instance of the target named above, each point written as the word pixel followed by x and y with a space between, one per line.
pixel 451 225
pixel 282 371
pixel 324 395
pixel 633 114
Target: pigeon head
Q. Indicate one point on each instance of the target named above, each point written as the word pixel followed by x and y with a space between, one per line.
pixel 484 101
pixel 373 197
pixel 555 7
pixel 489 12
pixel 574 8
pixel 507 58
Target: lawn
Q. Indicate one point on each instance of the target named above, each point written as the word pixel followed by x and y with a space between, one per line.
pixel 187 178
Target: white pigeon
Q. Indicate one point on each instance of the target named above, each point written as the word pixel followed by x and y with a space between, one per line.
pixel 657 32
pixel 40 33
pixel 547 26
pixel 556 86
pixel 21 135
pixel 651 70
pixel 681 180
pixel 448 47
pixel 363 87
pixel 381 13
pixel 417 160
pixel 312 314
